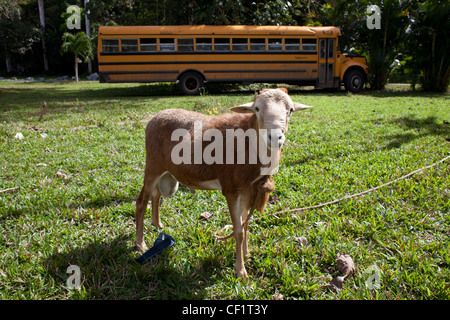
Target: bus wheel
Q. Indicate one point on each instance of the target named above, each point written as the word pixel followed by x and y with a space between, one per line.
pixel 354 81
pixel 190 83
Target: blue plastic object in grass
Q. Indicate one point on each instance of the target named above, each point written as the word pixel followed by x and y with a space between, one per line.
pixel 163 241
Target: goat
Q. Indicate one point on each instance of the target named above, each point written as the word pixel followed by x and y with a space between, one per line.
pixel 245 185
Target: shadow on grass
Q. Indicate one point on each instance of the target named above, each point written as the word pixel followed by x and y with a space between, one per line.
pixel 417 128
pixel 109 271
pixel 35 94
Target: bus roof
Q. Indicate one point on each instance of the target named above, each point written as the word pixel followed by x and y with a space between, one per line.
pixel 219 30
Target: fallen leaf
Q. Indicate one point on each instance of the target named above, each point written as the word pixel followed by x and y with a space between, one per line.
pixel 277 296
pixel 302 241
pixel 206 215
pixel 318 223
pixel 345 264
pixel 44 135
pixel 336 283
pixel 61 175
pixel 19 136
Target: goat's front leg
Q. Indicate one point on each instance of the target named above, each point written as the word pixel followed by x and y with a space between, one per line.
pixel 245 245
pixel 236 211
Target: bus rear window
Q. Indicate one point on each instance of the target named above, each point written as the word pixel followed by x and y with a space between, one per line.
pixel 110 45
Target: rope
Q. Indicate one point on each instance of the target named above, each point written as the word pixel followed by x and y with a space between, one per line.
pixel 334 201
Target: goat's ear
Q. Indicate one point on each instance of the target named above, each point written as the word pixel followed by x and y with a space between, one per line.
pixel 299 106
pixel 243 108
pixel 284 90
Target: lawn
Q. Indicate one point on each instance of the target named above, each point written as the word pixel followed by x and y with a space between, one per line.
pixel 80 170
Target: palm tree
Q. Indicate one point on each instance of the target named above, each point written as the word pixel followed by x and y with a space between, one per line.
pixel 42 20
pixel 78 44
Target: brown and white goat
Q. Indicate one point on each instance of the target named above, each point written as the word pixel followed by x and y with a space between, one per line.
pixel 244 184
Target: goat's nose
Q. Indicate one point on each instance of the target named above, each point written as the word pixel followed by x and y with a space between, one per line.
pixel 277 135
pixel 275 138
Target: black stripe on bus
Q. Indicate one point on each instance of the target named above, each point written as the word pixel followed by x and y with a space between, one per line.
pixel 140 72
pixel 252 71
pixel 203 53
pixel 200 62
pixel 206 71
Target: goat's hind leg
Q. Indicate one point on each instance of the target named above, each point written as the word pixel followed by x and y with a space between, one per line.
pixel 141 205
pixel 148 190
pixel 167 186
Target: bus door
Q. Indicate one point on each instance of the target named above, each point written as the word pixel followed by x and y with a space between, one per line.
pixel 326 63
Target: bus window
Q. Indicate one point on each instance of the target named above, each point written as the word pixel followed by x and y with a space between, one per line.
pixel 148 44
pixel 222 44
pixel 240 44
pixel 330 48
pixel 110 45
pixel 204 44
pixel 275 45
pixel 166 44
pixel 186 45
pixel 129 45
pixel 258 44
pixel 309 45
pixel 323 49
pixel 292 44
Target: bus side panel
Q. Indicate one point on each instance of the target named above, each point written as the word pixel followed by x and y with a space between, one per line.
pixel 214 67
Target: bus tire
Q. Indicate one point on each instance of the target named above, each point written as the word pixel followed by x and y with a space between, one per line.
pixel 354 81
pixel 191 83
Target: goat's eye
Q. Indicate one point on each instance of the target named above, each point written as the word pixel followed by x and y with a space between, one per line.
pixel 256 109
pixel 292 110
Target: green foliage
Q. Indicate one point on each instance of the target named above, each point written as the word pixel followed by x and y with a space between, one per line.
pixel 79 45
pixel 428 44
pixel 17 35
pixel 413 32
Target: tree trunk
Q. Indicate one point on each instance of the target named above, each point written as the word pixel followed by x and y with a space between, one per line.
pixel 88 33
pixel 44 45
pixel 76 68
pixel 8 63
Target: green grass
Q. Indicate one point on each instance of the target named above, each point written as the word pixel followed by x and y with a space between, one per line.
pixel 344 145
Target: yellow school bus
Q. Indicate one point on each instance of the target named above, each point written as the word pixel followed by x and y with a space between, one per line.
pixel 193 55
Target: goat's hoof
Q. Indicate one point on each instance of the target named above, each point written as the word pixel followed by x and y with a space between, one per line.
pixel 142 247
pixel 157 224
pixel 241 273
